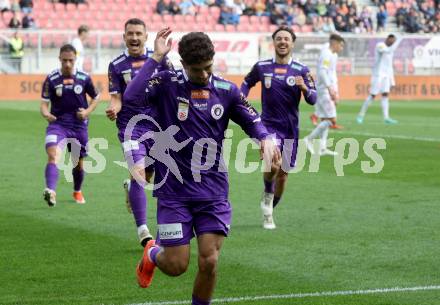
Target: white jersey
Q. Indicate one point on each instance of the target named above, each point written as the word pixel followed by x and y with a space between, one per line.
pixel 78 45
pixel 326 69
pixel 383 60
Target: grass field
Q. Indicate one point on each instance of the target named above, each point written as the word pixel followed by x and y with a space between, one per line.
pixel 335 234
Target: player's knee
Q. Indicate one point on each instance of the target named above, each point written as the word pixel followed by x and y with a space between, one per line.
pixel 282 177
pixel 208 263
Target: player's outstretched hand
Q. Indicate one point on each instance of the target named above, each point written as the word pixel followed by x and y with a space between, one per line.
pixel 162 44
pixel 112 112
pixel 50 117
pixel 82 114
pixel 270 153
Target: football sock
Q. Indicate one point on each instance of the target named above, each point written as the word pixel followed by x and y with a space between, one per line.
pixel 324 136
pixel 365 105
pixel 138 201
pixel 197 301
pixel 269 186
pixel 385 107
pixel 78 178
pixel 51 174
pixel 276 200
pixel 152 254
pixel 320 128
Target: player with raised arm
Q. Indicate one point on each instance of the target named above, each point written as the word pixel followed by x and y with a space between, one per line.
pixel 284 81
pixel 120 72
pixel 66 91
pixel 199 104
pixel 328 95
pixel 382 79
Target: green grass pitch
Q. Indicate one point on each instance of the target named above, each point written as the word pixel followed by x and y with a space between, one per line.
pixel 354 232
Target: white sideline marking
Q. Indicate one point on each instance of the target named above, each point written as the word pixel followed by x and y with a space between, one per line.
pixel 303 295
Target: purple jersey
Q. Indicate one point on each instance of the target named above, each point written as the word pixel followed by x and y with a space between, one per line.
pixel 279 95
pixel 192 112
pixel 121 71
pixel 66 95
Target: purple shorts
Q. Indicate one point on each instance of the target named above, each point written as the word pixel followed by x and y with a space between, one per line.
pixel 137 153
pixel 75 138
pixel 288 147
pixel 179 221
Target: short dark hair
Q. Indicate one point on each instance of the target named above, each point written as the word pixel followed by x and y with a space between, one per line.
pixel 83 28
pixel 67 48
pixel 337 37
pixel 134 21
pixel 391 36
pixel 195 48
pixel 284 28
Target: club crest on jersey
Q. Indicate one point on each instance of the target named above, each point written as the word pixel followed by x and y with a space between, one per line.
pixel 59 90
pixel 182 111
pixel 127 76
pixel 267 82
pixel 217 111
pixel 78 89
pixel 291 81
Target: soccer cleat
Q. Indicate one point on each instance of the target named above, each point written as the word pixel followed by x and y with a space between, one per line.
pixel 336 126
pixel 145 268
pixel 266 206
pixel 50 197
pixel 390 121
pixel 309 145
pixel 78 197
pixel 144 237
pixel 327 152
pixel 314 119
pixel 359 119
pixel 127 198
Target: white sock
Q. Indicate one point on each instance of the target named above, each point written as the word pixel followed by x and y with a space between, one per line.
pixel 319 129
pixel 323 142
pixel 365 105
pixel 142 228
pixel 385 107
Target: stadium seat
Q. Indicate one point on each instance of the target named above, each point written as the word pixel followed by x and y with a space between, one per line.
pixel 230 28
pixel 219 27
pixel 244 27
pixel 214 11
pixel 254 20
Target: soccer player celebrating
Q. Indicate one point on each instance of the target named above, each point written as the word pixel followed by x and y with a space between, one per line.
pixel 66 89
pixel 197 105
pixel 120 72
pixel 284 81
pixel 382 79
pixel 328 96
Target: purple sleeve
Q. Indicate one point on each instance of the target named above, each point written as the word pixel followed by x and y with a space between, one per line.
pixel 246 116
pixel 310 95
pixel 165 65
pixel 91 89
pixel 45 93
pixel 142 86
pixel 114 85
pixel 250 80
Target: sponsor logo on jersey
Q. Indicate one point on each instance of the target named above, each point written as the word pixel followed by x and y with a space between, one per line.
pixel 78 89
pixel 222 85
pixel 81 76
pixel 296 67
pixel 68 81
pixel 137 64
pixel 170 231
pixel 200 94
pixel 280 77
pixel 202 106
pixel 217 111
pixel 280 71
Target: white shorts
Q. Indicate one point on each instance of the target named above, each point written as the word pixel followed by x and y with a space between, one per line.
pixel 325 107
pixel 381 84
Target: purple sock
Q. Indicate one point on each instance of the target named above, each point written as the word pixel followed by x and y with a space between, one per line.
pixel 269 186
pixel 197 301
pixel 138 202
pixel 51 174
pixel 78 178
pixel 276 199
pixel 153 254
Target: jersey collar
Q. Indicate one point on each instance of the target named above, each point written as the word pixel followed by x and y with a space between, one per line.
pixel 289 63
pixel 128 55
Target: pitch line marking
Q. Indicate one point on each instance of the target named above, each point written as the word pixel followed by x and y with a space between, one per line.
pixel 303 295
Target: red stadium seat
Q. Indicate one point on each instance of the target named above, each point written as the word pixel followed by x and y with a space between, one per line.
pixel 214 11
pixel 244 27
pixel 244 19
pixel 219 28
pixel 230 28
pixel 265 19
pixel 254 20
